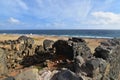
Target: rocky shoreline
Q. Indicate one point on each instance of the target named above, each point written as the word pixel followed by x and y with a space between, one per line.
pixel 63 59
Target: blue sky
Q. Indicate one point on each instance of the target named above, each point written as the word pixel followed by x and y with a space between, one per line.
pixel 59 14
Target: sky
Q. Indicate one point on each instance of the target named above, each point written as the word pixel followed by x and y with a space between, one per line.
pixel 59 14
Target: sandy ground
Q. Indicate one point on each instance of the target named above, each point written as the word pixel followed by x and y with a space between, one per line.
pixel 91 42
pixel 94 42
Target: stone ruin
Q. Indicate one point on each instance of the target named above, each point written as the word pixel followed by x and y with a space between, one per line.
pixel 13 51
pixel 110 52
pixel 104 64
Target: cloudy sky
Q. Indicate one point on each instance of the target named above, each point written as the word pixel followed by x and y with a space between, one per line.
pixel 59 14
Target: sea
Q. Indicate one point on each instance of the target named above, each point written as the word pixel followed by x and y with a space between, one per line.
pixel 69 33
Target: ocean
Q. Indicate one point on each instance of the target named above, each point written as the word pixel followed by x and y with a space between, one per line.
pixel 71 33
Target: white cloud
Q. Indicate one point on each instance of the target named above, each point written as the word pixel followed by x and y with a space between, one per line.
pixel 22 4
pixel 60 13
pixel 63 9
pixel 13 20
pixel 105 18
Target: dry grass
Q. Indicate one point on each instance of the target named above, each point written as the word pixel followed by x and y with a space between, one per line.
pixel 93 43
pixel 8 37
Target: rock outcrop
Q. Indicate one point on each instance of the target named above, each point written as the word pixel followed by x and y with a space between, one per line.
pixel 13 51
pixel 72 48
pixel 47 44
pixel 63 47
pixel 73 54
pixel 109 51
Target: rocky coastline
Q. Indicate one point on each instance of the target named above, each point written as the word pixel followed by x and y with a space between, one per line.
pixel 62 59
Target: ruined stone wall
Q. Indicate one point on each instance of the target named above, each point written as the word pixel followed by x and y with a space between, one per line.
pixel 104 64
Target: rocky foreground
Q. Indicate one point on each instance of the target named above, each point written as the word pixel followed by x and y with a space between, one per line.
pixel 70 59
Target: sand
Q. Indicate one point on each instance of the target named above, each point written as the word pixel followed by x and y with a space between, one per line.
pixel 91 42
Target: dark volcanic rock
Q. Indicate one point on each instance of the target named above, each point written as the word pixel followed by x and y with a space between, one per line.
pixel 72 48
pixel 39 50
pixel 94 68
pixel 101 52
pixel 39 57
pixel 92 64
pixel 110 53
pixel 3 64
pixel 107 49
pixel 81 49
pixel 75 39
pixel 81 54
pixel 64 48
pixel 66 75
pixel 77 50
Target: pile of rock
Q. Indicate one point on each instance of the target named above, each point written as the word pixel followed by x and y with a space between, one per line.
pixel 41 54
pixel 110 52
pixel 13 51
pixel 72 48
pixel 81 64
pixel 103 65
pixel 34 74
